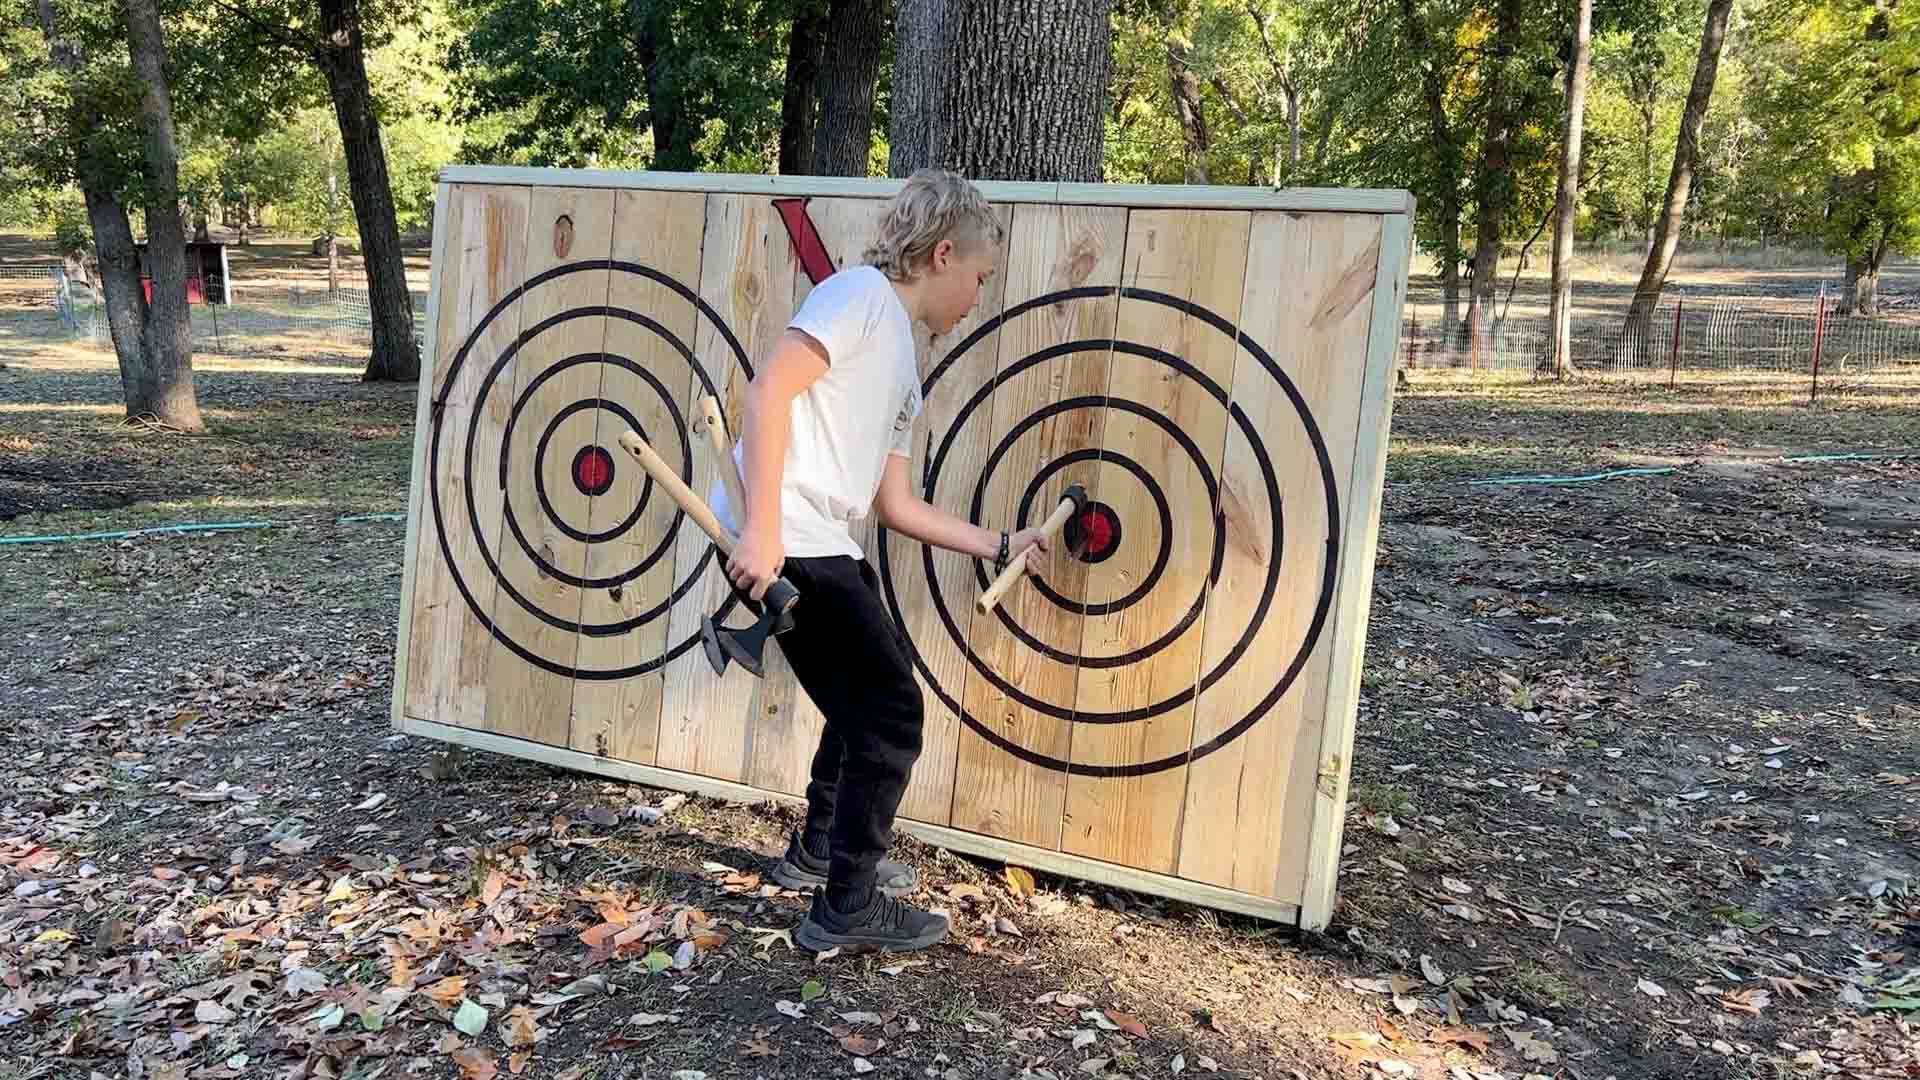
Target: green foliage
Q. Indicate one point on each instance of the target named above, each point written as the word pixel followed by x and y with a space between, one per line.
pixel 1837 95
pixel 592 82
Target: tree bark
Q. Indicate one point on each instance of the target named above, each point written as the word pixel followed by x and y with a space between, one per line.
pixel 803 74
pixel 1193 116
pixel 1493 185
pixel 673 133
pixel 1567 203
pixel 1026 88
pixel 163 389
pixel 916 133
pixel 1433 88
pixel 1291 91
pixel 1862 294
pixel 856 33
pixel 1686 156
pixel 343 60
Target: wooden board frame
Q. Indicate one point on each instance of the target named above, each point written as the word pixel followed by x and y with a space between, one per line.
pixel 1362 473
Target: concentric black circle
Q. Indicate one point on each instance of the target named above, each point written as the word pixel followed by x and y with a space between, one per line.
pixel 438 468
pixel 584 454
pixel 546 565
pixel 1268 483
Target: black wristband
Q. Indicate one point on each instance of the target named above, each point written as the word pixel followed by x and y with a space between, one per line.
pixel 1000 560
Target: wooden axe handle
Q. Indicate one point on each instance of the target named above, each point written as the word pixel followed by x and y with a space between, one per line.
pixel 1017 564
pixel 716 426
pixel 670 481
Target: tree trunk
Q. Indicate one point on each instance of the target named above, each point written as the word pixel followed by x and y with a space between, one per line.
pixel 343 60
pixel 673 133
pixel 803 74
pixel 1566 206
pixel 1193 116
pixel 1686 156
pixel 164 390
pixel 1450 262
pixel 1026 88
pixel 856 33
pixel 1283 74
pixel 1433 88
pixel 916 133
pixel 1493 186
pixel 200 233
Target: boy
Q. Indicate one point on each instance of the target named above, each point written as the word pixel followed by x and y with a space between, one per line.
pixel 827 438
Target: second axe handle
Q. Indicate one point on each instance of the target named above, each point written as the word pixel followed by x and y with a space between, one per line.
pixel 1017 564
pixel 716 426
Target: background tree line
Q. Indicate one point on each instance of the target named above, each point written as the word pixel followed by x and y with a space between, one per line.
pixel 1775 122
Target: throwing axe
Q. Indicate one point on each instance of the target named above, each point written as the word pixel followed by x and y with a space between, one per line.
pixel 1072 501
pixel 745 646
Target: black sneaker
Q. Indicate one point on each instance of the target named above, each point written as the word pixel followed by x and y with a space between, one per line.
pixel 885 924
pixel 800 871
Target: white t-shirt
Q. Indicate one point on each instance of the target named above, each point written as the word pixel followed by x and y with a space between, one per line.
pixel 848 422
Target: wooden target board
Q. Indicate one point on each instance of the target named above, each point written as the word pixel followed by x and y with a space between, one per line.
pixel 1169 708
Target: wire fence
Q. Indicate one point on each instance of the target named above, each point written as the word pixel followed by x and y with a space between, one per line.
pixel 47 302
pixel 1672 335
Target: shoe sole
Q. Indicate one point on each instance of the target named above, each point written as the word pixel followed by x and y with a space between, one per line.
pixel 789 876
pixel 816 938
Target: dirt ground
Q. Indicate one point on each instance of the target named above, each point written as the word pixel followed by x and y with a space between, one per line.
pixel 1634 790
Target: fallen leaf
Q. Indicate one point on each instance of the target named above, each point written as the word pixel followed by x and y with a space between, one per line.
pixel 1456 886
pixel 373 802
pixel 1129 1024
pixel 768 938
pixel 599 935
pixel 1084 1037
pixel 790 1008
pixel 1432 971
pixel 657 961
pixel 295 845
pixel 1464 911
pixel 1396 1068
pixel 689 1074
pixel 522 1030
pixel 1461 1036
pixel 518 1061
pixel 1019 881
pixel 167 873
pixel 470 1019
pixel 1208 1063
pixel 1004 925
pixel 861 1045
pixel 1750 1002
pixel 1095 1065
pixel 759 1047
pixel 1099 1020
pixel 647 1019
pixel 1533 1048
pixel 862 1065
pixel 810 989
pixel 683 956
pixel 1357 1040
pixel 1068 1000
pixel 302 981
pixel 1650 988
pixel 1178 1065
pixel 476 1064
pixel 212 1012
pixel 449 991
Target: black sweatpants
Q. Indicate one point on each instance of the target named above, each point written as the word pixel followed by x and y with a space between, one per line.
pixel 851 658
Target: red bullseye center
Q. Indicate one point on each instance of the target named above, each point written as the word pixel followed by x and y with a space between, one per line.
pixel 1098 531
pixel 593 470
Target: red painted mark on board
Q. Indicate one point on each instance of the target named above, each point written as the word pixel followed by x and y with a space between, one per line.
pixel 806 239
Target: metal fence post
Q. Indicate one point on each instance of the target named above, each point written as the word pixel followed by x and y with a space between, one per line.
pixel 1819 339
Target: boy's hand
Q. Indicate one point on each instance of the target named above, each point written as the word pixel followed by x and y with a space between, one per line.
pixel 756 562
pixel 1027 538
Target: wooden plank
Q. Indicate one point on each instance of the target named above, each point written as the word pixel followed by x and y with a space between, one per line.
pixel 746 274
pixel 1249 802
pixel 785 727
pixel 1197 258
pixel 1164 196
pixel 1028 702
pixel 537 608
pixel 617 696
pixel 1353 603
pixel 1053 862
pixel 952 369
pixel 444 214
pixel 485 261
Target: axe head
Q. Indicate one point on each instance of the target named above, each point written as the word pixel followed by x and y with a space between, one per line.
pixel 1078 495
pixel 747 646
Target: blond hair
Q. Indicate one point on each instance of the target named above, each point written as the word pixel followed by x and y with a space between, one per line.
pixel 935 205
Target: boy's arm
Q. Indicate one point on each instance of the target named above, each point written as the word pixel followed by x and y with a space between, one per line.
pixel 911 516
pixel 797 362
